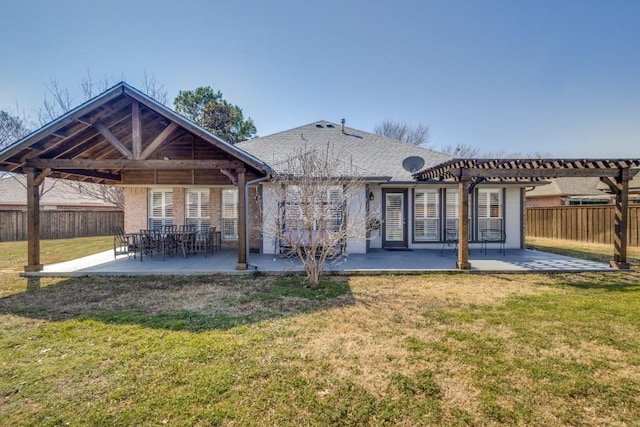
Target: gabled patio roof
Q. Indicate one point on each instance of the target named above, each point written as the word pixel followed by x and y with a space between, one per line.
pixel 124 137
pixel 123 129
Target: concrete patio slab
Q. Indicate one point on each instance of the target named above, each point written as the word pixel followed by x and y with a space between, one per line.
pixel 377 261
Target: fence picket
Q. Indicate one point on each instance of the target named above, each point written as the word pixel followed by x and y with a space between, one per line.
pixel 57 224
pixel 581 223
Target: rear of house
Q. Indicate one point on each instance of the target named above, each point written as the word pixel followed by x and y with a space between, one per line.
pixel 404 213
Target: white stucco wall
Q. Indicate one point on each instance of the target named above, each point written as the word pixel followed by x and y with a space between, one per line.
pixel 356 216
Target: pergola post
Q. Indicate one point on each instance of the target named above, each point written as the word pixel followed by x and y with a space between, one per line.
pixel 242 222
pixel 621 213
pixel 33 221
pixel 463 224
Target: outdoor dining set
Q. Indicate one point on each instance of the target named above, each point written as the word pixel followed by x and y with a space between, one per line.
pixel 168 240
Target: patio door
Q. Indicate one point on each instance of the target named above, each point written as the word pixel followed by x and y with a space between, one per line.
pixel 394 219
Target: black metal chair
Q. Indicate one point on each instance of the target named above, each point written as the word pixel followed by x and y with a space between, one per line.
pixel 493 235
pixel 450 239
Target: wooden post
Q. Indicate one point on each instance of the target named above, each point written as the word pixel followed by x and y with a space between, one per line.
pixel 621 213
pixel 33 221
pixel 136 130
pixel 463 224
pixel 242 222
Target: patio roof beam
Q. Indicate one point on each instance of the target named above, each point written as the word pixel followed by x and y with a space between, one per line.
pixel 106 133
pixel 537 173
pixel 118 164
pixel 162 137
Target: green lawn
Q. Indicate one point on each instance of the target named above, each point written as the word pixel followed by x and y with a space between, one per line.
pixel 441 349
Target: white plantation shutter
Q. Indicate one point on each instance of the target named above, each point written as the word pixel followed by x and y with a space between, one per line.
pixel 335 198
pixel 451 211
pixel 489 210
pixel 198 209
pixel 160 209
pixel 394 212
pixel 230 214
pixel 426 215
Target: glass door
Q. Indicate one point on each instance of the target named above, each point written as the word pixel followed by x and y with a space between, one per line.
pixel 395 219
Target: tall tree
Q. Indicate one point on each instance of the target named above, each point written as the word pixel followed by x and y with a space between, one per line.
pixel 401 131
pixel 208 109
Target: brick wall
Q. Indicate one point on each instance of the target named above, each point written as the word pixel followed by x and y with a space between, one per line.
pixel 136 216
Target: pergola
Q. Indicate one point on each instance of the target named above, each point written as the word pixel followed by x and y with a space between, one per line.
pixel 615 173
pixel 123 137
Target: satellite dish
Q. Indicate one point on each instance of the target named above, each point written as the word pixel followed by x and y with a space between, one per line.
pixel 413 164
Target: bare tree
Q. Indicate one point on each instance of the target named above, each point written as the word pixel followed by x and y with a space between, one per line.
pixel 13 126
pixel 322 205
pixel 463 151
pixel 107 193
pixel 401 131
pixel 155 90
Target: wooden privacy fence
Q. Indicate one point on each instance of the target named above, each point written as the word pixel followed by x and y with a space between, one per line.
pixel 592 224
pixel 60 224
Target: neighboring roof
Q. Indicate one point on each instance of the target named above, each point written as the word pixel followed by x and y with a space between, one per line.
pixel 76 135
pixel 578 186
pixel 13 191
pixel 372 155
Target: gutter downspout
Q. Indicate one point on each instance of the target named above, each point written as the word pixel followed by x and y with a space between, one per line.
pixel 246 213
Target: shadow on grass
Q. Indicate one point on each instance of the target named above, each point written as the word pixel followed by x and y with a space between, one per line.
pixel 618 281
pixel 178 302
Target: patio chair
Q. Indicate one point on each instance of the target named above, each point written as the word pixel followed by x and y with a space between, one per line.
pixel 450 239
pixel 215 239
pixel 201 243
pixel 493 235
pixel 123 244
pixel 152 242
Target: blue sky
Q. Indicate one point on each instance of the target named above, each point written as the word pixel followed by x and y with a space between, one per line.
pixel 560 77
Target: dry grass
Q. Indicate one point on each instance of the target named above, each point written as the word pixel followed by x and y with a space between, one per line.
pixel 441 349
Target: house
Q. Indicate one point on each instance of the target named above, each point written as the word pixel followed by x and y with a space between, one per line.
pixel 56 194
pixel 412 214
pixel 174 172
pixel 577 191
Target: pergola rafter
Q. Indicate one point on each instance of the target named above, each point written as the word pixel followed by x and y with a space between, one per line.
pixel 615 173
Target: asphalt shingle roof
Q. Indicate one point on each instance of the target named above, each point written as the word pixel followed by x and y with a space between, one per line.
pixel 13 191
pixel 373 155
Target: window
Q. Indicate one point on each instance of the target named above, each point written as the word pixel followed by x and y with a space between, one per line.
pixel 451 214
pixel 489 210
pixel 323 213
pixel 160 208
pixel 198 210
pixel 230 214
pixel 426 215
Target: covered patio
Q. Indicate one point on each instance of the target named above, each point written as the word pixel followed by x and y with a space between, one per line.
pixel 124 138
pixel 377 261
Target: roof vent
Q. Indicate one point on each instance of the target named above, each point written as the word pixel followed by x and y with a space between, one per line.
pixel 330 125
pixel 319 125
